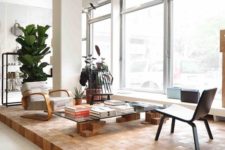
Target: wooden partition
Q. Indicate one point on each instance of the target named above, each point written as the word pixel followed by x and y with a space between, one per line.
pixel 222 49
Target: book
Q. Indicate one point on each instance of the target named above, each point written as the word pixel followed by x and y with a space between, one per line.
pixel 77 116
pixel 123 109
pixel 114 102
pixel 77 108
pixel 78 113
pixel 102 111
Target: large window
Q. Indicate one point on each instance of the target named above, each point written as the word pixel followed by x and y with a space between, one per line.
pixel 102 37
pixel 143 49
pixel 196 57
pixel 84 34
pixel 100 31
pixel 134 3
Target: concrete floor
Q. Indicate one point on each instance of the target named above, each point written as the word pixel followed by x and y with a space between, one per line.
pixel 11 140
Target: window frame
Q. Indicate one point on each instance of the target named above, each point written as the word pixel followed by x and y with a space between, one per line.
pixel 91 20
pixel 167 70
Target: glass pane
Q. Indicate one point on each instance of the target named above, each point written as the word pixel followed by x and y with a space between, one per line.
pixel 133 3
pixel 103 10
pixel 196 57
pixel 144 49
pixel 84 24
pixel 83 52
pixel 102 38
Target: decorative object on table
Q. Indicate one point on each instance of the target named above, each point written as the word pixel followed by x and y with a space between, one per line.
pixel 33 50
pixel 79 94
pixel 95 76
pixel 190 95
pixel 36 95
pixel 174 92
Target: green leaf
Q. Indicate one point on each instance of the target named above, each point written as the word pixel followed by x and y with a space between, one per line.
pixel 44 64
pixel 21 41
pixel 42 30
pixel 29 29
pixel 30 39
pixel 45 51
pixel 26 59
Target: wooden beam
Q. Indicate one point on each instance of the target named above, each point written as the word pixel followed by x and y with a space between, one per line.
pixel 222 49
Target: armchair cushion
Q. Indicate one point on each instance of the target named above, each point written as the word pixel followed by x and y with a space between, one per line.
pixel 56 103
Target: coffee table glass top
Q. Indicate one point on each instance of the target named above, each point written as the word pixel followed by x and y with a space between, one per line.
pixel 138 108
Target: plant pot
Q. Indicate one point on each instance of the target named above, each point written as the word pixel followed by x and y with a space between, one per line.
pixel 78 101
pixel 90 92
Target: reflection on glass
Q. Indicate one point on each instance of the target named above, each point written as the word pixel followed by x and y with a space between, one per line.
pixel 196 57
pixel 143 47
pixel 84 25
pixel 83 53
pixel 101 11
pixel 102 38
pixel 134 3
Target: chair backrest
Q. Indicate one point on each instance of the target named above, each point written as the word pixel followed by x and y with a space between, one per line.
pixel 204 103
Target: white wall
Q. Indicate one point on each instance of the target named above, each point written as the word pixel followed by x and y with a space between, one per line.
pixel 66 43
pixel 24 14
pixel 35 3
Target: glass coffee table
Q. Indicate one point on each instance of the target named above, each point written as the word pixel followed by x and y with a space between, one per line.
pixel 89 126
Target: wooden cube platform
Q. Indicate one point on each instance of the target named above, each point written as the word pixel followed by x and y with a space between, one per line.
pixel 59 133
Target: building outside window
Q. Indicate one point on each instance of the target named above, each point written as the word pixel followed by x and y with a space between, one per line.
pixel 193 35
pixel 100 31
pixel 143 49
pixel 197 61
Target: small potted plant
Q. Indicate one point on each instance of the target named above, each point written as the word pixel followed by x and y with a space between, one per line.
pixel 79 94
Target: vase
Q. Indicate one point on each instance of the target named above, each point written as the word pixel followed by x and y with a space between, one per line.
pixel 78 101
pixel 90 92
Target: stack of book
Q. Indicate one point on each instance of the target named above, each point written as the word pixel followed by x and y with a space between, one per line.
pixel 102 112
pixel 123 109
pixel 114 102
pixel 77 111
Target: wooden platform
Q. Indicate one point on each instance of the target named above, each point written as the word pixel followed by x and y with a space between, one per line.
pixel 60 133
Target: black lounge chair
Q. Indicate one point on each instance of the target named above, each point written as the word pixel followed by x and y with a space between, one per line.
pixel 188 115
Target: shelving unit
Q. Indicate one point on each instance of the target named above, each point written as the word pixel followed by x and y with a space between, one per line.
pixel 9 75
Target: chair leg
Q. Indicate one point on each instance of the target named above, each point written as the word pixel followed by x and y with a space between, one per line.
pixel 172 125
pixel 159 128
pixel 195 135
pixel 208 128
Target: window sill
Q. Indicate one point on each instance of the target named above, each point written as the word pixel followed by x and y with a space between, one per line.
pixel 161 99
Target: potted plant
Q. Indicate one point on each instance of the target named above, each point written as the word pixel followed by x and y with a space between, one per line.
pixel 79 94
pixel 95 76
pixel 33 50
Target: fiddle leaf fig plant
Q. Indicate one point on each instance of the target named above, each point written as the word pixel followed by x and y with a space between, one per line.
pixel 33 50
